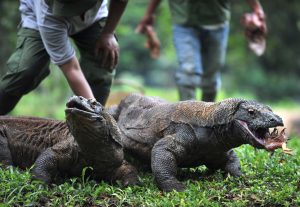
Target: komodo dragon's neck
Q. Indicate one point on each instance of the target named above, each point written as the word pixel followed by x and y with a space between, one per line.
pixel 226 138
pixel 216 116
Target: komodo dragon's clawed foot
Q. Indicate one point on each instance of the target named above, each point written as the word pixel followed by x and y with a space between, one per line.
pixel 170 185
pixel 127 174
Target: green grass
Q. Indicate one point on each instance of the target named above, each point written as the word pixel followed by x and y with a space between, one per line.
pixel 267 181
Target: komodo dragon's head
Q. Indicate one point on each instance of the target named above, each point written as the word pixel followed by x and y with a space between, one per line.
pixel 89 123
pixel 84 118
pixel 83 106
pixel 253 121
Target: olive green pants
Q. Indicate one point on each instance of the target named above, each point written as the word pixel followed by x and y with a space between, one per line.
pixel 29 65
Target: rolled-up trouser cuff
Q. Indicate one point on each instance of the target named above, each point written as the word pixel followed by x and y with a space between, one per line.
pixel 198 81
pixel 186 93
pixel 211 84
pixel 187 79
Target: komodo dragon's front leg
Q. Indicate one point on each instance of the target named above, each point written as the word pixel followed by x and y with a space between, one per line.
pixel 170 152
pixel 232 166
pixel 52 160
pixel 5 155
pixel 164 157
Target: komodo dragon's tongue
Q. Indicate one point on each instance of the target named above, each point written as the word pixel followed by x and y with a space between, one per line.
pixel 277 140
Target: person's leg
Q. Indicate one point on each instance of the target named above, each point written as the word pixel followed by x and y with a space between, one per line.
pixel 187 47
pixel 186 92
pixel 26 68
pixel 214 44
pixel 99 78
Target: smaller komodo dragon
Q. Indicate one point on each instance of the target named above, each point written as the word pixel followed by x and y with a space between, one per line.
pixel 191 133
pixel 89 138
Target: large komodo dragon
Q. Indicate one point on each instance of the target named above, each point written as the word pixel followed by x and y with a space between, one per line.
pixel 191 133
pixel 89 137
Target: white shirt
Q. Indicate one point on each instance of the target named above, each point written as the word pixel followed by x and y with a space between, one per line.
pixel 54 30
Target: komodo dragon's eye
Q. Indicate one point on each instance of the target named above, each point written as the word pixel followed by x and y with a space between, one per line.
pixel 251 111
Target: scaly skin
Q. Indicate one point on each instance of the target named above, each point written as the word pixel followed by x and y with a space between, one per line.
pixel 190 133
pixel 99 138
pixel 50 146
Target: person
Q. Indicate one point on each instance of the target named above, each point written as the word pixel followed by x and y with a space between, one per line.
pixel 200 33
pixel 44 32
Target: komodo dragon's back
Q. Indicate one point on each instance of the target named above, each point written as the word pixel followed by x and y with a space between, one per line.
pixel 23 138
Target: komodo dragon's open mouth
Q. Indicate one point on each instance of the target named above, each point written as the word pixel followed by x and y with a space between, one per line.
pixel 263 138
pixel 83 105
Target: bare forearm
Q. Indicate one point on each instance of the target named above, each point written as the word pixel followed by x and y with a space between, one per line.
pixel 152 6
pixel 76 79
pixel 79 84
pixel 116 9
pixel 148 18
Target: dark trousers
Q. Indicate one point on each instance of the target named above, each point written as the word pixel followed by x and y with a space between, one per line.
pixel 29 65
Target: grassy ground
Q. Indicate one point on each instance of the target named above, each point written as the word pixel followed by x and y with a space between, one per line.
pixel 267 180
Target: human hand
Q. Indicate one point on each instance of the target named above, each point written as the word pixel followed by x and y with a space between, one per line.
pixel 152 42
pixel 262 21
pixel 254 22
pixel 255 31
pixel 107 48
pixel 147 21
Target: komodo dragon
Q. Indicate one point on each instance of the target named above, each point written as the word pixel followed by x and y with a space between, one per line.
pixel 191 133
pixel 89 137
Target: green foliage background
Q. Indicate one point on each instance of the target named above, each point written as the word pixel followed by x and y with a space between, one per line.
pixel 272 77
